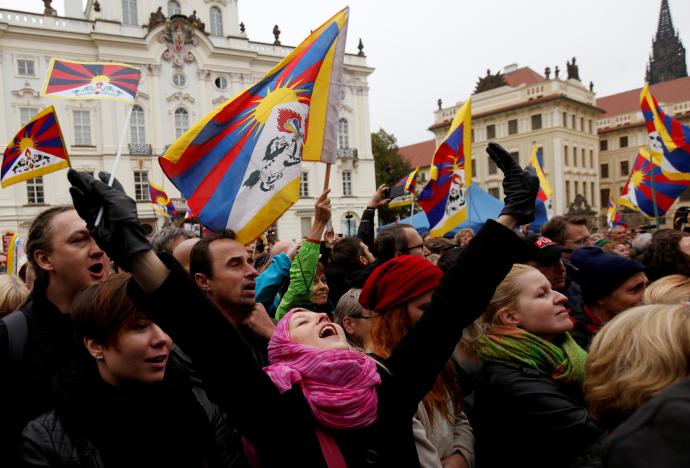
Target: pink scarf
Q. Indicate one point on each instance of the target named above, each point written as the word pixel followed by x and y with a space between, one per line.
pixel 339 385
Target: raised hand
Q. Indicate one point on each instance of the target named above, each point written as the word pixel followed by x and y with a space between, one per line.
pixel 520 186
pixel 379 198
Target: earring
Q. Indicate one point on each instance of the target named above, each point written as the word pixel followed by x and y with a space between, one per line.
pixel 100 358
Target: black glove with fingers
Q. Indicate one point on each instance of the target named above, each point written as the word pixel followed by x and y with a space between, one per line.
pixel 119 232
pixel 520 186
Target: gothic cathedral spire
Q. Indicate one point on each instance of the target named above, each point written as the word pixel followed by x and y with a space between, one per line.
pixel 667 61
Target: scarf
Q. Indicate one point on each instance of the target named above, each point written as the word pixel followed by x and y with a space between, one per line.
pixel 515 347
pixel 339 385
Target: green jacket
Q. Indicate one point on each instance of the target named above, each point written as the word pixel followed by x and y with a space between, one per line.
pixel 302 274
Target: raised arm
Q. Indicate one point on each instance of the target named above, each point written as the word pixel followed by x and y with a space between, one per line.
pixel 303 269
pixel 365 231
pixel 466 289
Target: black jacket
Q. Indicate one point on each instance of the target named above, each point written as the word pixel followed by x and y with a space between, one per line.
pixel 26 392
pixel 522 418
pixel 656 435
pixel 584 326
pixel 281 426
pixel 171 423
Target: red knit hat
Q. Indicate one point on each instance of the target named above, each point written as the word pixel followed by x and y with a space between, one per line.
pixel 398 281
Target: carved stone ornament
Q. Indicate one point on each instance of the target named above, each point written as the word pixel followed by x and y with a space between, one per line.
pixel 181 97
pixel 26 91
pixel 179 36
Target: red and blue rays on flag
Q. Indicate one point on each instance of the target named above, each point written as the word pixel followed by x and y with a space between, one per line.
pixel 409 182
pixel 239 167
pixel 37 149
pixel 613 216
pixel 160 200
pixel 667 137
pixel 91 80
pixel 444 197
pixel 637 193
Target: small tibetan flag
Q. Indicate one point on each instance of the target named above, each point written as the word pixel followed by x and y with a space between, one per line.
pixel 161 203
pixel 91 80
pixel 37 149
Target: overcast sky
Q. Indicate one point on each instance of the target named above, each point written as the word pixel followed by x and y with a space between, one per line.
pixel 430 49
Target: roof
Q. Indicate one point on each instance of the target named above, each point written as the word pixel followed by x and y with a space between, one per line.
pixel 629 101
pixel 524 75
pixel 419 154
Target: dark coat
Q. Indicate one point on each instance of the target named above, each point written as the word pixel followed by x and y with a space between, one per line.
pixel 162 424
pixel 26 392
pixel 281 426
pixel 657 434
pixel 522 418
pixel 585 326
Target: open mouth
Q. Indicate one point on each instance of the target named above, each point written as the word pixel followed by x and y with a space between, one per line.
pixel 249 287
pixel 157 359
pixel 328 331
pixel 96 268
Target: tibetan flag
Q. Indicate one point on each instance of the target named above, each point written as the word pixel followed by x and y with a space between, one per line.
pixel 37 149
pixel 161 203
pixel 188 215
pixel 613 216
pixel 91 80
pixel 536 161
pixel 444 197
pixel 240 166
pixel 667 137
pixel 638 190
pixel 409 184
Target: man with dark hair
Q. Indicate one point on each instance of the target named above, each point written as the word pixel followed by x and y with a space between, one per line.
pixel 221 267
pixel 37 341
pixel 168 238
pixel 349 255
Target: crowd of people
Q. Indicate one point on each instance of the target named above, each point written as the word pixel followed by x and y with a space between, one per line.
pixel 391 349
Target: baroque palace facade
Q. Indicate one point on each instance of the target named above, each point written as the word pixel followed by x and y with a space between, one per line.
pixel 589 143
pixel 194 55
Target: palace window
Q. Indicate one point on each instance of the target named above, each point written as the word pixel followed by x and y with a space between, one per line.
pixel 603 145
pixel 604 170
pixel 129 12
pixel 493 168
pixel 304 184
pixel 26 114
pixel 512 127
pixel 216 21
pixel 221 83
pixel 26 67
pixel 604 194
pixel 495 192
pixel 625 168
pixel 34 191
pixel 179 80
pixel 141 185
pixel 181 121
pixel 536 122
pixel 137 130
pixel 347 183
pixel 343 134
pixel 623 142
pixel 490 132
pixel 82 127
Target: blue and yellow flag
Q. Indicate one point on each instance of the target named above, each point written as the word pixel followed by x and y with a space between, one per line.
pixel 37 149
pixel 240 166
pixel 613 216
pixel 669 140
pixel 162 204
pixel 444 197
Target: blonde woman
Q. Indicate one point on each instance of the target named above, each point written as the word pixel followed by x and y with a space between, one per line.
pixel 13 293
pixel 671 289
pixel 637 386
pixel 528 400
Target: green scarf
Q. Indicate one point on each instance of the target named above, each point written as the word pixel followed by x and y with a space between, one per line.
pixel 515 347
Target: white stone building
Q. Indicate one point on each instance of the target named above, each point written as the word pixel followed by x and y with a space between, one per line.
pixel 190 64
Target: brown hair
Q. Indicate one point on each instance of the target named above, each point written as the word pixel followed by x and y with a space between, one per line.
pixel 102 311
pixel 634 356
pixel 554 229
pixel 387 330
pixel 40 236
pixel 664 257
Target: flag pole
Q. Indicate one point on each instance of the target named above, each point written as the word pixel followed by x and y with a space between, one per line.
pixel 117 159
pixel 327 178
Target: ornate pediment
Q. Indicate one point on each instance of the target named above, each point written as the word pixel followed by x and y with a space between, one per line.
pixel 219 100
pixel 26 92
pixel 179 37
pixel 181 97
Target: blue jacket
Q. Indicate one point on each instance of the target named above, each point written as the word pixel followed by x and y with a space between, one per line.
pixel 269 282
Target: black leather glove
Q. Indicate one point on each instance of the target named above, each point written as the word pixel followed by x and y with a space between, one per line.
pixel 119 233
pixel 520 186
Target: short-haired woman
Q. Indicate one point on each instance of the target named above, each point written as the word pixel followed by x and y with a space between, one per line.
pixel 120 403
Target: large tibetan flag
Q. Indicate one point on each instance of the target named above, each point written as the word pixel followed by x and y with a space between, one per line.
pixel 160 200
pixel 239 167
pixel 444 198
pixel 91 80
pixel 543 202
pixel 409 184
pixel 667 137
pixel 37 149
pixel 637 193
pixel 613 216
